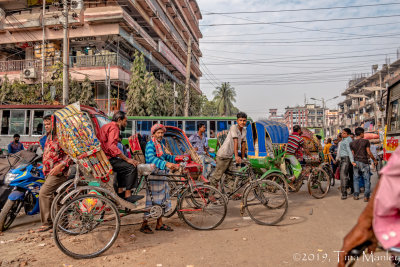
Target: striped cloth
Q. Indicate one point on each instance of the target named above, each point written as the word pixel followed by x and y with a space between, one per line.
pixel 159 189
pixel 294 143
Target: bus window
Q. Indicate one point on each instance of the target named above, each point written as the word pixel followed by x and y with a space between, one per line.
pixel 5 122
pixel 229 124
pixel 171 123
pixel 38 122
pixel 180 125
pixel 190 127
pixel 212 129
pixel 395 118
pixel 222 125
pixel 143 126
pixel 128 130
pixel 17 121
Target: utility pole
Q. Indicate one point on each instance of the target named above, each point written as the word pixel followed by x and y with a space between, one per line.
pixel 187 84
pixel 43 45
pixel 65 54
pixel 108 91
pixel 323 116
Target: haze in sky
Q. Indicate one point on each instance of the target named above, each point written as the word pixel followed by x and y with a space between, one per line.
pixel 309 49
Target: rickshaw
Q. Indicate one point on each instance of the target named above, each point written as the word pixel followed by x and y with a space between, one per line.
pixel 89 220
pixel 267 141
pixel 313 144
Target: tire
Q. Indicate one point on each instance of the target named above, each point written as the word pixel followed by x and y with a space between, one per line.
pixel 206 212
pixel 9 213
pixel 279 179
pixel 327 168
pixel 271 204
pixel 29 202
pixel 80 218
pixel 318 183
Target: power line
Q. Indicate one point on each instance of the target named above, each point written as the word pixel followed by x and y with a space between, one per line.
pixel 300 21
pixel 296 10
pixel 304 30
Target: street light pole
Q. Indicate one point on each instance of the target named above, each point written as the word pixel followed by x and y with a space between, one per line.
pixel 323 109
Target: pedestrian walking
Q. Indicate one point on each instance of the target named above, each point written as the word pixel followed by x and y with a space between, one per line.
pixel 346 160
pixel 362 152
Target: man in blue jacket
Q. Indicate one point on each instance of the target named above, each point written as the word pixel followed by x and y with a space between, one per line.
pixel 15 146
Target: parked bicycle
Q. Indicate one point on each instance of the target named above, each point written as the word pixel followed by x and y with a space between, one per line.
pixel 87 225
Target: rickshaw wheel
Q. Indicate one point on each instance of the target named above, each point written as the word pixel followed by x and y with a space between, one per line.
pixel 270 204
pixel 279 179
pixel 318 183
pixel 89 226
pixel 208 210
pixel 328 169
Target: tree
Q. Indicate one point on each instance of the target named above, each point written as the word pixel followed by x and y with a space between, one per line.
pixel 5 90
pixel 224 96
pixel 86 96
pixel 209 108
pixel 136 90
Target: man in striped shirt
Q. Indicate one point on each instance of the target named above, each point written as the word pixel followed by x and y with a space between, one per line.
pixel 293 151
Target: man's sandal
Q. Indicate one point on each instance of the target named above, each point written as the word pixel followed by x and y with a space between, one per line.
pixel 165 228
pixel 44 228
pixel 146 229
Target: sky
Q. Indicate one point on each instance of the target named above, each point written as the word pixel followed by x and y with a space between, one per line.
pixel 280 59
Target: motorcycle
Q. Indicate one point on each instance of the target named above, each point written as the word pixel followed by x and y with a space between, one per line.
pixel 26 180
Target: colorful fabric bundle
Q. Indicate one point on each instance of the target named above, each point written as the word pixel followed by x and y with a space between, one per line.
pixel 78 140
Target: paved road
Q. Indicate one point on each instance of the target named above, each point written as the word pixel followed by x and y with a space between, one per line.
pixel 309 236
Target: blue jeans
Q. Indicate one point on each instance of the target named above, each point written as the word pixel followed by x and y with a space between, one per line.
pixel 362 171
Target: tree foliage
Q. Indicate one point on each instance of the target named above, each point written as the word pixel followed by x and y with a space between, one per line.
pixel 19 92
pixel 224 97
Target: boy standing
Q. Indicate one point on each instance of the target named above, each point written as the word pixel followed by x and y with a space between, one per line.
pixel 361 150
pixel 230 147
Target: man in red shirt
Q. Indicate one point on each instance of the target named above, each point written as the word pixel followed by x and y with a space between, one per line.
pixel 55 168
pixel 122 165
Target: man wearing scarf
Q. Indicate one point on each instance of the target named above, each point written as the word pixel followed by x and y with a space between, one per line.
pixel 155 154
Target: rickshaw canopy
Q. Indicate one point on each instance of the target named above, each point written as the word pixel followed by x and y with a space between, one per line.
pixel 264 133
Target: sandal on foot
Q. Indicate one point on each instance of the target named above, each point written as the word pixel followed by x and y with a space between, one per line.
pixel 146 230
pixel 165 228
pixel 44 228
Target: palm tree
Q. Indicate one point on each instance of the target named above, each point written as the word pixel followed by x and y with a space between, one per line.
pixel 224 97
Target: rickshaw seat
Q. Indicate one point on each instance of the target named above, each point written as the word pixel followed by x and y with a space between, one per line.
pixel 145 169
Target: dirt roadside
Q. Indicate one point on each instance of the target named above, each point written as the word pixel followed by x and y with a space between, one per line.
pixel 309 236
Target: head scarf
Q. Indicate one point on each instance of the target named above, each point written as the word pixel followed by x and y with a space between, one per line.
pixel 157 144
pixel 157 127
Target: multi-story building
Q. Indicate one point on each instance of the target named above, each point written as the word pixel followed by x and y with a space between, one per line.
pixel 103 36
pixel 332 123
pixel 365 101
pixel 273 116
pixel 308 116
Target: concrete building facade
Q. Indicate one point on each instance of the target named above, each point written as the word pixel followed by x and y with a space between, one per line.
pixel 309 116
pixel 365 102
pixel 101 34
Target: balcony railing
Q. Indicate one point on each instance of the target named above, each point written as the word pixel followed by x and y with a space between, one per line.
pixel 75 61
pixel 115 104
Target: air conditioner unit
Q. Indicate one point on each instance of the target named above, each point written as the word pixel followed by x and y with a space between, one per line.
pixel 29 73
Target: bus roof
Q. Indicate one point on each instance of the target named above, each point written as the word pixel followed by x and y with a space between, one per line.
pixel 180 118
pixel 90 110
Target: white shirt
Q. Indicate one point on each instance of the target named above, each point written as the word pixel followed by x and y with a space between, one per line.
pixel 227 149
